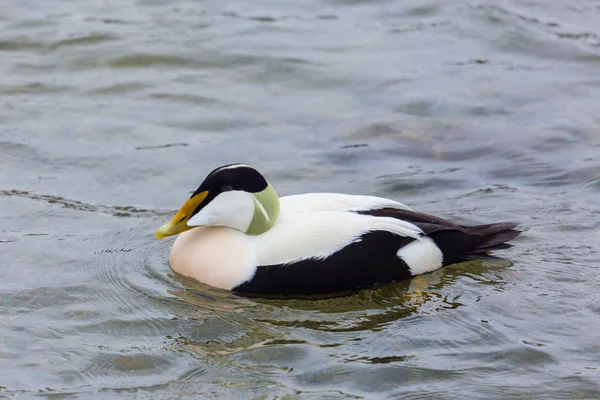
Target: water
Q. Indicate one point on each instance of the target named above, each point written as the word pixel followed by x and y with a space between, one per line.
pixel 112 112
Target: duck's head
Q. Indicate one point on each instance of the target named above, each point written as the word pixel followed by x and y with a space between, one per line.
pixel 235 195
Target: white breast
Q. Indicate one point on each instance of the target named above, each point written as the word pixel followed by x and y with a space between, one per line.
pixel 218 256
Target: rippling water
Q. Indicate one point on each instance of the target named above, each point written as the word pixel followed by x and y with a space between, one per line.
pixel 112 111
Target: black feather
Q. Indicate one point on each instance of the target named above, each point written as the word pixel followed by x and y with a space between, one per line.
pixel 366 262
pixel 457 242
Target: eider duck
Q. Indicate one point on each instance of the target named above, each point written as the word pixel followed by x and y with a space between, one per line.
pixel 235 233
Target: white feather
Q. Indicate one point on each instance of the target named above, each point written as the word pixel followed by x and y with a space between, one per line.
pixel 421 256
pixel 232 166
pixel 261 208
pixel 299 236
pixel 234 209
pixel 336 202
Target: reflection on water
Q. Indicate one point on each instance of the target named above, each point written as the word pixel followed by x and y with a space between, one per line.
pixel 264 320
pixel 111 112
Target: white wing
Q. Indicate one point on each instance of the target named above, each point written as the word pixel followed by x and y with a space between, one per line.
pixel 298 236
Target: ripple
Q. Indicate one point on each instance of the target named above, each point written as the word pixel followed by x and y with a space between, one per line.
pixel 414 184
pixel 40 298
pixel 127 274
pixel 525 36
pixel 523 355
pixel 120 88
pixel 585 177
pixel 117 211
pixel 112 21
pixel 162 146
pixel 113 367
pixel 35 87
pixel 20 44
pixel 369 381
pixel 185 98
pixel 146 60
pixel 425 108
pixel 86 41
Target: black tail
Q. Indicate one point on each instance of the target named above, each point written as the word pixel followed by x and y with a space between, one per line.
pixel 495 235
pixel 472 241
pixel 457 242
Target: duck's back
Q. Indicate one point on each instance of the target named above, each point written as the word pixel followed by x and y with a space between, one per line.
pixel 310 202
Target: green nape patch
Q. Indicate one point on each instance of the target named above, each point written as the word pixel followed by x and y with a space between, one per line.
pixel 266 211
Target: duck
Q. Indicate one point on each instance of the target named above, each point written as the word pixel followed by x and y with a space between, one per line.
pixel 235 233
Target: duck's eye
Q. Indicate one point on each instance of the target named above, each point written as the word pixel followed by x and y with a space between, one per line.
pixel 226 188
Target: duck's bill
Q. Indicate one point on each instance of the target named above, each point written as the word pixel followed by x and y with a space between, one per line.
pixel 178 223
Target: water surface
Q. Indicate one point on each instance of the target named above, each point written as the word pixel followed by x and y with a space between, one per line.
pixel 112 112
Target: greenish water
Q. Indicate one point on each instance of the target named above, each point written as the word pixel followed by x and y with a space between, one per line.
pixel 111 112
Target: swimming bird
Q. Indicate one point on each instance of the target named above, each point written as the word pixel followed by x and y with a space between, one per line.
pixel 236 233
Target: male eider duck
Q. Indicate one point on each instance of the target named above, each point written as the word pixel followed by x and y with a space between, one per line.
pixel 235 233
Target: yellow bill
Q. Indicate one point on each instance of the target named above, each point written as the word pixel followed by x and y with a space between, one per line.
pixel 178 223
